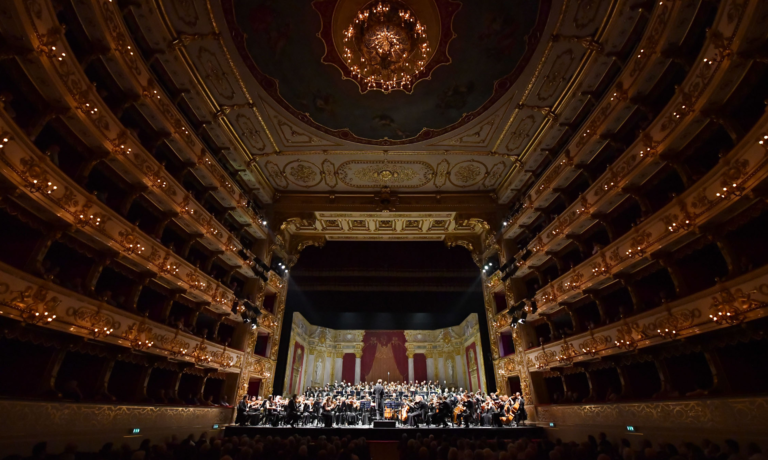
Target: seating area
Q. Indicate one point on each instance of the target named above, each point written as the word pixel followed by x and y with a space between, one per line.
pixel 409 447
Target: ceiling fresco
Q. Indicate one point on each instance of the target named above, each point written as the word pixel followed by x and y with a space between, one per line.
pixel 491 43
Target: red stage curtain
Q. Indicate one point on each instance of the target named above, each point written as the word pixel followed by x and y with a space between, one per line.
pixel 348 368
pixel 506 344
pixel 384 352
pixel 419 367
pixel 253 387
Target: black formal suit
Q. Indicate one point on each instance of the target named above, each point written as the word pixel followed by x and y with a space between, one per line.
pixel 378 395
pixel 521 415
pixel 469 412
pixel 242 408
pixel 444 413
pixel 291 413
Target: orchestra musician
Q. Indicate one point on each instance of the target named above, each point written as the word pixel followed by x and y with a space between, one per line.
pixel 328 406
pixel 292 411
pixel 468 413
pixel 521 415
pixel 253 414
pixel 416 412
pixel 444 412
pixel 242 409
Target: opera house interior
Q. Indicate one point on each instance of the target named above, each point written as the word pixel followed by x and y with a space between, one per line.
pixel 406 229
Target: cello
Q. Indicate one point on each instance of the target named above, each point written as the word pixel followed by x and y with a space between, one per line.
pixel 458 410
pixel 404 412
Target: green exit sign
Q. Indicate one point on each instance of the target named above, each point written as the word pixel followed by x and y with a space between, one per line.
pixel 215 426
pixel 631 429
pixel 135 430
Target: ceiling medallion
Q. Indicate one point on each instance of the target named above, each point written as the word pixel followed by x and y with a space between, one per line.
pixel 386 46
pixel 386 174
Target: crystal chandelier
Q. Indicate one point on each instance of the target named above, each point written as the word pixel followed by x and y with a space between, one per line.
pixel 386 47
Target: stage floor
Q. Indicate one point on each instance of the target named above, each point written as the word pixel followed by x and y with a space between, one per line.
pixel 387 434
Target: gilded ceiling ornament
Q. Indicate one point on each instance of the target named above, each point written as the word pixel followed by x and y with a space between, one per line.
pixel 276 174
pixel 521 133
pixel 186 12
pixel 556 76
pixel 303 174
pixel 441 174
pixel 586 12
pixel 370 174
pixel 467 173
pixel 494 175
pixel 251 134
pixel 329 173
pixel 215 74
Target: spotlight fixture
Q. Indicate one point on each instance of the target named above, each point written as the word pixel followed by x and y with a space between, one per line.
pixel 253 326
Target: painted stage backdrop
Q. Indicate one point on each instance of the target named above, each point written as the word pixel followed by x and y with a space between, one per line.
pixel 320 356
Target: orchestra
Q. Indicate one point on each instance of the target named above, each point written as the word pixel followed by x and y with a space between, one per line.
pixel 409 403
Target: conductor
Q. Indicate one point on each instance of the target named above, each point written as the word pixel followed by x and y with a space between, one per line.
pixel 378 396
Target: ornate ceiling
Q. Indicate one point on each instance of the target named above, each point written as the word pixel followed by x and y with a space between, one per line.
pixel 503 84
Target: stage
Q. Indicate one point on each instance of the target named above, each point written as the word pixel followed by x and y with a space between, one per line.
pixel 387 434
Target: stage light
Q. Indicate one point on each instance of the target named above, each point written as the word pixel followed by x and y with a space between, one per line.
pixel 253 326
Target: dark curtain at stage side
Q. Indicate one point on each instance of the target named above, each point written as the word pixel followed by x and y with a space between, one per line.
pixel 419 367
pixel 384 356
pixel 348 367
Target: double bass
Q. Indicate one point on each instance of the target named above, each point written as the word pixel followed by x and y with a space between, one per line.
pixel 509 414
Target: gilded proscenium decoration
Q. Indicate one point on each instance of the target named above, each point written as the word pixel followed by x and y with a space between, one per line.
pixel 432 226
pixel 386 46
